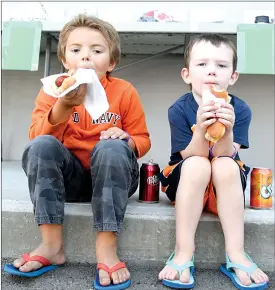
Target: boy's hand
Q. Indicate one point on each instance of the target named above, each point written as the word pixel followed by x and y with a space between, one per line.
pixel 74 97
pixel 226 116
pixel 113 133
pixel 206 116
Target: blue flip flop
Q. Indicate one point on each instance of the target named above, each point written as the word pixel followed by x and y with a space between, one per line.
pixel 177 284
pixel 112 286
pixel 10 269
pixel 229 272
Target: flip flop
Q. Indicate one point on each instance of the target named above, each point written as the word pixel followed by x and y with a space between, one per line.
pixel 229 272
pixel 112 286
pixel 177 284
pixel 47 266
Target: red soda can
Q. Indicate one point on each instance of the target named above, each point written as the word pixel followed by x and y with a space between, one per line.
pixel 261 188
pixel 149 182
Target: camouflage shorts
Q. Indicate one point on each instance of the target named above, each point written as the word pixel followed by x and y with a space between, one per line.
pixel 55 176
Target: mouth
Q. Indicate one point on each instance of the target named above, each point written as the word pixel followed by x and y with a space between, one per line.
pixel 211 83
pixel 86 65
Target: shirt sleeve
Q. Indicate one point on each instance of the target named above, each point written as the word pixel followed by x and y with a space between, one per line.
pixel 133 121
pixel 243 117
pixel 40 124
pixel 181 133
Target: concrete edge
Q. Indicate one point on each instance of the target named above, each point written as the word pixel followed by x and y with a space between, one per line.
pixel 141 211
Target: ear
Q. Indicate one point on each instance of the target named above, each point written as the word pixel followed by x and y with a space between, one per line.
pixel 65 64
pixel 233 78
pixel 185 75
pixel 111 67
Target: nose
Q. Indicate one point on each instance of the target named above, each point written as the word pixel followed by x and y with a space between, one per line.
pixel 211 70
pixel 85 58
pixel 85 55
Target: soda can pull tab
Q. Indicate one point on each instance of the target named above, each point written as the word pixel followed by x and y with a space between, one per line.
pixel 151 161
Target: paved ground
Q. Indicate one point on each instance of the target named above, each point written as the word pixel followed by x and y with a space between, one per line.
pixel 80 276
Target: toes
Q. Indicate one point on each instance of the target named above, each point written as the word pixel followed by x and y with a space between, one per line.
pixel 259 277
pixel 162 274
pixel 243 278
pixel 263 276
pixel 121 276
pixel 18 263
pixel 115 278
pixel 127 275
pixel 30 266
pixel 185 276
pixel 172 275
pixel 169 275
pixel 266 278
pixel 104 278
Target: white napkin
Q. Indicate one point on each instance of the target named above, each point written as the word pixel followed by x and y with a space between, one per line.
pixel 95 101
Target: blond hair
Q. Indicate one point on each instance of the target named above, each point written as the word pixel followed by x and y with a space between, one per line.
pixel 105 28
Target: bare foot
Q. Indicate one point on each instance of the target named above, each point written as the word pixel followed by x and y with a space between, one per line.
pixel 52 253
pixel 109 257
pixel 258 276
pixel 171 274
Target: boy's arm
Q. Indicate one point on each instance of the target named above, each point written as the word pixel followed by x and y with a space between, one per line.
pixel 198 146
pixel 182 138
pixel 134 123
pixel 45 105
pixel 238 137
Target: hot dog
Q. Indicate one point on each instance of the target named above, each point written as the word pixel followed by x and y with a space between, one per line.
pixel 63 82
pixel 216 131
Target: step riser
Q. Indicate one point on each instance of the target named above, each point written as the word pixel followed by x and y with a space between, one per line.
pixel 142 239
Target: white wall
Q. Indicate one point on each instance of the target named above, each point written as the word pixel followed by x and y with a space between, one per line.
pixel 159 84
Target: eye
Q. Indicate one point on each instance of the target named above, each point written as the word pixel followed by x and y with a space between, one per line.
pixel 75 50
pixel 202 64
pixel 222 65
pixel 97 51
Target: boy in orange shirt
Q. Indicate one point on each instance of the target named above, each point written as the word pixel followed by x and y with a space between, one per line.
pixel 69 154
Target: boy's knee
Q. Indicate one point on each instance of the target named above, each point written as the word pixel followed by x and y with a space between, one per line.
pixel 111 148
pixel 43 146
pixel 224 169
pixel 197 166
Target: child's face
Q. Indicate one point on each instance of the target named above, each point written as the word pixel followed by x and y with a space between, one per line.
pixel 209 65
pixel 87 48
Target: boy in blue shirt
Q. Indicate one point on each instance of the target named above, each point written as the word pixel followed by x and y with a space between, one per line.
pixel 202 175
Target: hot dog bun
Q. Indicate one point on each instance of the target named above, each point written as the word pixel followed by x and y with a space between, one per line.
pixel 216 131
pixel 66 81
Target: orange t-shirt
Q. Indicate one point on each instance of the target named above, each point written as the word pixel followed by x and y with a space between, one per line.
pixel 80 133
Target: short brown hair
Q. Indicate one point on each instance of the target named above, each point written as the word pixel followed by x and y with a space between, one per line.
pixel 107 30
pixel 215 39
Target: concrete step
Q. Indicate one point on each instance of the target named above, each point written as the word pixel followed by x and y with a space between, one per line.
pixel 144 277
pixel 149 229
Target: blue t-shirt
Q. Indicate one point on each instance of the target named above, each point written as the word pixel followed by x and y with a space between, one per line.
pixel 182 116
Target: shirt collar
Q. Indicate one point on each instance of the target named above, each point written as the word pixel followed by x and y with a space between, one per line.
pixel 104 81
pixel 193 104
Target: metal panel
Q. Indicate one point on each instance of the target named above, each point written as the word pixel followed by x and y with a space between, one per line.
pixel 21 45
pixel 145 43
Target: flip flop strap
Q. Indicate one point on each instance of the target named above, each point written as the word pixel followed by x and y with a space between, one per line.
pixel 180 268
pixel 40 259
pixel 248 270
pixel 116 267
